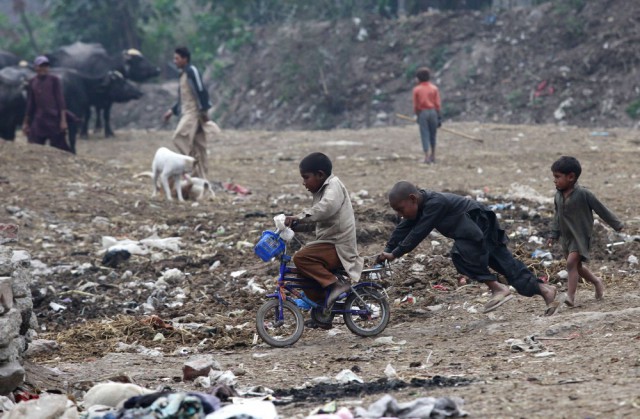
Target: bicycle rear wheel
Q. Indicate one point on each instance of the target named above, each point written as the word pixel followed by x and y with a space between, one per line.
pixel 276 330
pixel 367 312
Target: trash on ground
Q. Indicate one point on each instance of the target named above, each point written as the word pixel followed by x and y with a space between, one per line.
pixel 541 254
pixel 348 376
pixel 387 340
pixel 424 407
pixel 528 344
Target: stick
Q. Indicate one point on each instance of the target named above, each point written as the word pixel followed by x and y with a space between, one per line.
pixel 545 338
pixel 450 131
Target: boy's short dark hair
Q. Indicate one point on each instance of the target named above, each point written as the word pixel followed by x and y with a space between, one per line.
pixel 566 165
pixel 183 52
pixel 423 74
pixel 401 191
pixel 316 162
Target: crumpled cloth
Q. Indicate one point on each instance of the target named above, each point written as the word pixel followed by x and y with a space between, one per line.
pixel 424 407
pixel 165 405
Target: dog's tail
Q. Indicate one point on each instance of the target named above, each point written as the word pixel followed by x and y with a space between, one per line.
pixel 143 174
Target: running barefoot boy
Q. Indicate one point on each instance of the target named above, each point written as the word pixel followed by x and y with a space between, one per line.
pixel 332 216
pixel 479 241
pixel 573 223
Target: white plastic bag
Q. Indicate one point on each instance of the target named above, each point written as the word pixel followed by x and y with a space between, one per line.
pixel 285 232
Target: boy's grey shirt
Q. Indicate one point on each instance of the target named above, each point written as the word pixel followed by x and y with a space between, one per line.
pixel 332 213
pixel 573 219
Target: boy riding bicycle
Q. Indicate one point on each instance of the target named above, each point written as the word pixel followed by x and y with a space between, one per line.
pixel 335 246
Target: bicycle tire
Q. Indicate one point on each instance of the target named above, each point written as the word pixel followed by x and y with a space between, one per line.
pixel 377 319
pixel 268 326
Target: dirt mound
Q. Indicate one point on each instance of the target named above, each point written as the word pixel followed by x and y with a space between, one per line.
pixel 568 62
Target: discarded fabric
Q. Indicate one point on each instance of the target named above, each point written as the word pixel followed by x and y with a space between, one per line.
pixel 424 407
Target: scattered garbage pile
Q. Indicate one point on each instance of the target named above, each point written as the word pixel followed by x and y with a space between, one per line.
pixel 220 400
pixel 193 284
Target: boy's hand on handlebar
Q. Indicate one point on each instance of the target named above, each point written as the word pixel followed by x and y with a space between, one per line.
pixel 290 221
pixel 385 256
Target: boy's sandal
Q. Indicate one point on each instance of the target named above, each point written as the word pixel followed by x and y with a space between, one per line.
pixel 555 305
pixel 496 302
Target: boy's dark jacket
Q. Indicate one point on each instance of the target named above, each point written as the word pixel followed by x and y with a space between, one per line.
pixel 454 216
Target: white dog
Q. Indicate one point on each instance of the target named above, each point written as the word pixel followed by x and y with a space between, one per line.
pixel 191 188
pixel 196 188
pixel 170 167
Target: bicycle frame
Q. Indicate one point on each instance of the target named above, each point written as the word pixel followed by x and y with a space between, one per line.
pixel 290 282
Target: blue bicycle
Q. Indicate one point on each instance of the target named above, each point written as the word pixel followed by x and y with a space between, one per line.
pixel 280 322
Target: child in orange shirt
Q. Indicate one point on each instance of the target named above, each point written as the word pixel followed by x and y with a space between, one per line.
pixel 426 105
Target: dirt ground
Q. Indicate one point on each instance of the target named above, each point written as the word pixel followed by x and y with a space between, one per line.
pixel 65 205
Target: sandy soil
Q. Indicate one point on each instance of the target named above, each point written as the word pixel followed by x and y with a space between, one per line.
pixel 594 368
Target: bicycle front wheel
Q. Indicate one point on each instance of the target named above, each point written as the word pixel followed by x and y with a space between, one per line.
pixel 366 311
pixel 276 329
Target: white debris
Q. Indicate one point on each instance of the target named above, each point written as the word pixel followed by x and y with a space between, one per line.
pixel 170 243
pixel 252 287
pixel 57 307
pixel 172 275
pixel 390 372
pixel 20 256
pixel 560 113
pixel 362 34
pixel 236 274
pixel 204 382
pixel 219 377
pixel 348 376
pixel 536 240
pixel 387 340
pixel 417 267
pixel 143 350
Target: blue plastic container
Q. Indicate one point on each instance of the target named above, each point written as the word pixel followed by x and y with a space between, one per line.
pixel 269 246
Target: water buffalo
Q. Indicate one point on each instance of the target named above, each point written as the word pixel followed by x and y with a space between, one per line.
pixel 103 92
pixel 7 59
pixel 13 102
pixel 94 61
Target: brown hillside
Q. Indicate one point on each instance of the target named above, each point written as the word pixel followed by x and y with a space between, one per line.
pixel 548 64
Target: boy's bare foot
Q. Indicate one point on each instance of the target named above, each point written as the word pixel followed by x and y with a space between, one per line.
pixel 548 292
pixel 570 300
pixel 599 289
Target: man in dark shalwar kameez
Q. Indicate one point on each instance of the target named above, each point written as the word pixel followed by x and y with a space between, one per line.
pixel 479 242
pixel 45 117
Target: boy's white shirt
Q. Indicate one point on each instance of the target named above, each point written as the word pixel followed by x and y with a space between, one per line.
pixel 332 212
